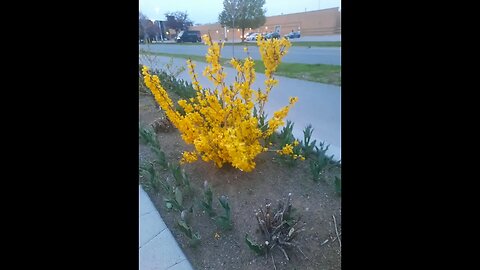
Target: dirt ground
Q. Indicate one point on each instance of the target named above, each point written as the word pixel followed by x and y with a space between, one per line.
pixel 269 181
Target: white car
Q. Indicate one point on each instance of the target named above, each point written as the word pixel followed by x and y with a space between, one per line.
pixel 252 37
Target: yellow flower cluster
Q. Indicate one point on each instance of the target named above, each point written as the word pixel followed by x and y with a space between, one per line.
pixel 286 150
pixel 219 122
pixel 189 157
pixel 289 150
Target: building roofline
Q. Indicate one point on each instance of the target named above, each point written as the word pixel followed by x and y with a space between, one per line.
pixel 337 8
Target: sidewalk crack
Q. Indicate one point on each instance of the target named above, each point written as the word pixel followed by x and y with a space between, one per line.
pixel 153 237
pixel 176 263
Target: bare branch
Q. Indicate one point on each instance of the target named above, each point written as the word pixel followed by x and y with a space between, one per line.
pixel 274 267
pixel 284 253
pixel 336 231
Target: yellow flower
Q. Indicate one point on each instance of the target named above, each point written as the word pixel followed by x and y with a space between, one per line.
pixel 287 149
pixel 219 122
pixel 189 157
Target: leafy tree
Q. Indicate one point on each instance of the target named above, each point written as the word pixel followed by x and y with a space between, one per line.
pixel 178 21
pixel 153 30
pixel 142 25
pixel 242 14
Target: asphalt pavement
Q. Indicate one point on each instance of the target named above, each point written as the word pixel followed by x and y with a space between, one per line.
pixel 296 54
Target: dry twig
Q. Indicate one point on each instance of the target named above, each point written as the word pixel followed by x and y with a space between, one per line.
pixel 336 231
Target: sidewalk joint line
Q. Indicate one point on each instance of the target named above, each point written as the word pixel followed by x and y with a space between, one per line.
pixel 184 259
pixel 153 237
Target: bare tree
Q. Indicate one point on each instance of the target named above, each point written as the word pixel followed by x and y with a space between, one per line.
pixel 178 21
pixel 142 25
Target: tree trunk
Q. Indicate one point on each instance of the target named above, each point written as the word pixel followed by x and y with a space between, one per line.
pixel 243 34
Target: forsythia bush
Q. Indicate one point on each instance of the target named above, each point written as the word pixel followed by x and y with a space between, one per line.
pixel 221 122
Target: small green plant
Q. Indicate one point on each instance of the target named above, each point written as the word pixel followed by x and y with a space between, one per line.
pixel 338 185
pixel 179 188
pixel 182 88
pixel 286 134
pixel 308 146
pixel 262 123
pixel 322 152
pixel 148 137
pixel 224 221
pixel 175 200
pixel 257 248
pixel 279 229
pixel 153 181
pixel 291 148
pixel 206 203
pixel 184 224
pixel 320 162
pixel 317 168
pixel 181 178
pixel 160 157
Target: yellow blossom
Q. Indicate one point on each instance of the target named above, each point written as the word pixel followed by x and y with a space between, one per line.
pixel 189 157
pixel 219 122
pixel 287 149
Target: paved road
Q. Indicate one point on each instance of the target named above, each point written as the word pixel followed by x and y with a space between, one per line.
pixel 318 104
pixel 319 38
pixel 305 55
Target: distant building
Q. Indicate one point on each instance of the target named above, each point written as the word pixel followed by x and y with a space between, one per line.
pixel 310 23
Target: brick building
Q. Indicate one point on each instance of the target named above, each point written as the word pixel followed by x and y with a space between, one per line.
pixel 310 23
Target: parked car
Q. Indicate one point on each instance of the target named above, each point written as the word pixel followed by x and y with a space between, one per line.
pixel 272 35
pixel 189 36
pixel 252 37
pixel 293 34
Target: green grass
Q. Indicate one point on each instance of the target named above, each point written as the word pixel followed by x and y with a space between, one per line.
pixel 329 74
pixel 174 43
pixel 297 44
pixel 318 43
pixel 294 44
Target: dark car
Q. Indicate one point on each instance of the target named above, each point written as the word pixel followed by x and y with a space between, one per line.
pixel 293 35
pixel 272 35
pixel 189 36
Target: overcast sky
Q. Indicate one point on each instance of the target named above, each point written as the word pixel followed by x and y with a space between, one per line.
pixel 206 11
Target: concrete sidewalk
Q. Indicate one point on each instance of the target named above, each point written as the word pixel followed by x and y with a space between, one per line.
pixel 158 249
pixel 318 104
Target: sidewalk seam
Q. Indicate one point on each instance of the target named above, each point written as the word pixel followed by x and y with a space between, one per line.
pixel 184 259
pixel 153 237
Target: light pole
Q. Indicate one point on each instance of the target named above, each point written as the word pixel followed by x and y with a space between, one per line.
pixel 233 24
pixel 234 7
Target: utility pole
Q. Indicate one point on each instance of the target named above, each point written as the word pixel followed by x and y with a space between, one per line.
pixel 233 32
pixel 234 12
